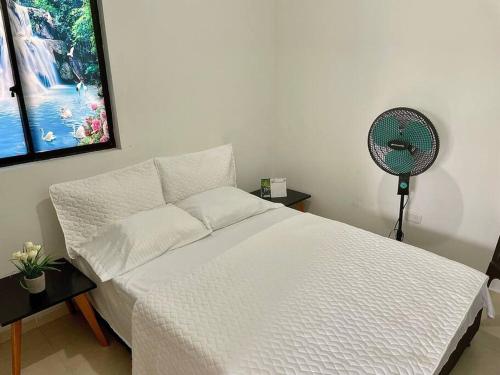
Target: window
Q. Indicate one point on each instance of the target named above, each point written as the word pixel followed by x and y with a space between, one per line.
pixel 54 97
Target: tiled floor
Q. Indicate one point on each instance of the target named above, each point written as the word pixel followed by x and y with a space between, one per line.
pixel 67 346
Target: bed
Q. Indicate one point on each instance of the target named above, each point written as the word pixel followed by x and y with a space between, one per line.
pixel 270 291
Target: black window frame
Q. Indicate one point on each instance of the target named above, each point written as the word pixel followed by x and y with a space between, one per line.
pixel 17 91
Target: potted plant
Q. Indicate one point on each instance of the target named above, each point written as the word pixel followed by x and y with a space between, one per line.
pixel 33 265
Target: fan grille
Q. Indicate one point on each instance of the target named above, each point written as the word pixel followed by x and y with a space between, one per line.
pixel 409 125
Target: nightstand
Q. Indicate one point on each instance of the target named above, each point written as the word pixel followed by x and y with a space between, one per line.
pixel 293 199
pixel 69 285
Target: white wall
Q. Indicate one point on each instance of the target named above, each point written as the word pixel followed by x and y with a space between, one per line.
pixel 186 75
pixel 341 63
pixel 305 78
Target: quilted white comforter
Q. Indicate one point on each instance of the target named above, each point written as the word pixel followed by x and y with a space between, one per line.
pixel 308 296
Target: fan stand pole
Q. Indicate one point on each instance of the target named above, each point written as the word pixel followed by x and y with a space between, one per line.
pixel 403 190
pixel 399 233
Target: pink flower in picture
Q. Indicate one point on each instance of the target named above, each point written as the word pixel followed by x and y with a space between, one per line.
pixel 93 106
pixel 104 139
pixel 96 125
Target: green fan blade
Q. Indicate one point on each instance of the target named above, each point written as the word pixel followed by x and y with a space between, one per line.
pixel 386 130
pixel 418 135
pixel 400 161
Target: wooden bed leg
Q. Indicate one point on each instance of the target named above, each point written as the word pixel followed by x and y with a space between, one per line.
pixel 15 332
pixel 88 312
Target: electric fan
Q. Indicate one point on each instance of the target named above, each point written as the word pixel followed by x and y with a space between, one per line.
pixel 404 143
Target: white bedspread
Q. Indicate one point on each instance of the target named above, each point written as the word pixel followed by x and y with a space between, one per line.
pixel 308 295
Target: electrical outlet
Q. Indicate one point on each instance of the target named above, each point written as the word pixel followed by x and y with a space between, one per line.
pixel 414 218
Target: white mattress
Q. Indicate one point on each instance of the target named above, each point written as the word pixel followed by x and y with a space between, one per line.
pixel 309 296
pixel 115 299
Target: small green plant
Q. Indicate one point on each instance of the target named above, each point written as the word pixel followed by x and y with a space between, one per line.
pixel 31 262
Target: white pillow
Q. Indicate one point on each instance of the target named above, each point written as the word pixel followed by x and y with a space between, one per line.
pixel 224 206
pixel 184 175
pixel 129 243
pixel 85 206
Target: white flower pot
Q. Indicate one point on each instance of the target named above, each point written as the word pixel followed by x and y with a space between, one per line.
pixel 36 285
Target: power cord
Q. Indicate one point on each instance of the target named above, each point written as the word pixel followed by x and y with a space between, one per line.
pixel 397 221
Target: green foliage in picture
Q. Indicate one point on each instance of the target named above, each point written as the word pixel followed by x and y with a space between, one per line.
pixel 70 21
pixel 82 32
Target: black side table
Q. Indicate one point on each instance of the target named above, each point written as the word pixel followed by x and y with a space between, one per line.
pixel 69 285
pixel 293 199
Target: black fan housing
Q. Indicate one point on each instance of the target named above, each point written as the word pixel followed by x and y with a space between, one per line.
pixel 403 141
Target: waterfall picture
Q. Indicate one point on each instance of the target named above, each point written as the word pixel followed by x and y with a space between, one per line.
pixel 59 67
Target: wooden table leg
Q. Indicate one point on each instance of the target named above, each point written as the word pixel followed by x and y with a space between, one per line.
pixel 85 307
pixel 15 332
pixel 301 206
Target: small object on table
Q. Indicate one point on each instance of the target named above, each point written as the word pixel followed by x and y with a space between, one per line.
pixel 33 264
pixel 68 285
pixel 278 188
pixel 293 199
pixel 265 188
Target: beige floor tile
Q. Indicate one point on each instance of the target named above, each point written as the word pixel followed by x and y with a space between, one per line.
pixel 4 365
pixel 70 334
pixel 4 351
pixel 52 364
pixel 5 357
pixel 114 359
pixel 110 361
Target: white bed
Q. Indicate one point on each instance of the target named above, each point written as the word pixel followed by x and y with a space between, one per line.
pixel 115 299
pixel 277 292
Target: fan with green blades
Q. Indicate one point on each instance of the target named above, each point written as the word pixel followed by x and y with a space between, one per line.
pixel 404 143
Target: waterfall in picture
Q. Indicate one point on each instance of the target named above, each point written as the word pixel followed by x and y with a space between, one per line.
pixel 11 130
pixel 5 72
pixel 37 65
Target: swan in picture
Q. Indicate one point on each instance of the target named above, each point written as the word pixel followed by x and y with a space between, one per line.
pixel 49 137
pixel 79 132
pixel 65 113
pixel 70 53
pixel 81 86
